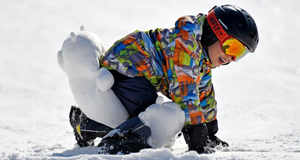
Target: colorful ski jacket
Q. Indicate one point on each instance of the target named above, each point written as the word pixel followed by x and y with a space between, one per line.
pixel 174 62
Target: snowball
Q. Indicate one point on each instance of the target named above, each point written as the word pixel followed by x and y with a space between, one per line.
pixel 160 100
pixel 105 80
pixel 165 121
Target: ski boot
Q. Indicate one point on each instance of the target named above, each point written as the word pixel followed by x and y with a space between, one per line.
pixel 85 129
pixel 77 120
pixel 122 144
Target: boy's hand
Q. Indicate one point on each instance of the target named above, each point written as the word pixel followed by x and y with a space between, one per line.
pixel 195 136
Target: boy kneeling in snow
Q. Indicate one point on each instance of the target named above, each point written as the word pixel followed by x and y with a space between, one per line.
pixel 176 62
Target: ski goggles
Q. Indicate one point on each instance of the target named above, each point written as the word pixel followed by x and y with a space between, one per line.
pixel 230 45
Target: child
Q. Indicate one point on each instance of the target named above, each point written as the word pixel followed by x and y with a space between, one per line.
pixel 176 62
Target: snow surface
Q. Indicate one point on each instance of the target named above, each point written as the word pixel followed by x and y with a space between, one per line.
pixel 258 97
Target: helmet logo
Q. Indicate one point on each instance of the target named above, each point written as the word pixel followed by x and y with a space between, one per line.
pixel 216 25
pixel 223 24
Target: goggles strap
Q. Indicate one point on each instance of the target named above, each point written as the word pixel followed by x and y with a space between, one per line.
pixel 216 26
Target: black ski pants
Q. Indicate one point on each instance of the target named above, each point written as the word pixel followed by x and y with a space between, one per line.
pixel 136 94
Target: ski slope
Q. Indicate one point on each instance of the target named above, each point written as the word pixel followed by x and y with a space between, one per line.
pixel 258 97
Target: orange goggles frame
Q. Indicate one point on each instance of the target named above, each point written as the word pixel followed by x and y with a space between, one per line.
pixel 230 45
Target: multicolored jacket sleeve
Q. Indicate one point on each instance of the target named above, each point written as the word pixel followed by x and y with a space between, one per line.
pixel 207 95
pixel 185 68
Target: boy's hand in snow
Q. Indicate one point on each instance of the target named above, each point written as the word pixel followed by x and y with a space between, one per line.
pixel 195 136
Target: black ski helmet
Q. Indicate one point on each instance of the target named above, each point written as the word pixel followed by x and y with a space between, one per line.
pixel 236 22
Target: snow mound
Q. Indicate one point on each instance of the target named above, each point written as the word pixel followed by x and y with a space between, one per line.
pixel 90 85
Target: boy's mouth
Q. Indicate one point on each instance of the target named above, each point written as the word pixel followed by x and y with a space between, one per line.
pixel 221 61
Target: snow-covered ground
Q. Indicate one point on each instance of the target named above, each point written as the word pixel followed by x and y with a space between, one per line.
pixel 258 97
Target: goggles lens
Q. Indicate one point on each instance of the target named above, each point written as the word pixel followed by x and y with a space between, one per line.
pixel 233 47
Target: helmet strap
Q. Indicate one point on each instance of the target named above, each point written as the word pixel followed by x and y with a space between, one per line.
pixel 216 26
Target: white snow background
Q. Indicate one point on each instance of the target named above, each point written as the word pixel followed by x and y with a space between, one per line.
pixel 258 97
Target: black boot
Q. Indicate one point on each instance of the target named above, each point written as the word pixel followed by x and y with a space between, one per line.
pixel 117 144
pixel 131 136
pixel 213 140
pixel 77 120
pixel 85 129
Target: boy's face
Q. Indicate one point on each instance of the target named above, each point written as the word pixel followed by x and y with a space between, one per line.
pixel 217 56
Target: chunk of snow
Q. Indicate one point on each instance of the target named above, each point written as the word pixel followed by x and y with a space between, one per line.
pixel 90 85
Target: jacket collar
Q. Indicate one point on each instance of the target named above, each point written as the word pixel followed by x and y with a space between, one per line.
pixel 206 59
